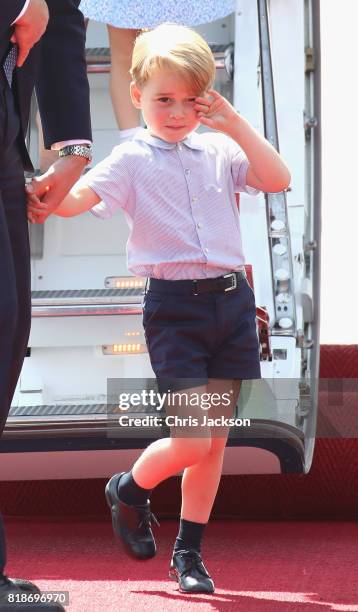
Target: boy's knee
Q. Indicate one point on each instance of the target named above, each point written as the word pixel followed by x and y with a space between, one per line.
pixel 199 449
pixel 218 445
pixel 193 449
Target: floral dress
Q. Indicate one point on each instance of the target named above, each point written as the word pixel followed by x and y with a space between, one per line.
pixel 137 14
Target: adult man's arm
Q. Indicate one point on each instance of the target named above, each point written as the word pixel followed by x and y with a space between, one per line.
pixel 63 96
pixel 62 86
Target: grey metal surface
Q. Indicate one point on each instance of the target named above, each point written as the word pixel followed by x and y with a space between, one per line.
pixel 99 58
pixel 314 205
pixel 276 205
pixel 75 419
pixel 86 302
pixel 83 296
pixel 85 310
pixel 57 410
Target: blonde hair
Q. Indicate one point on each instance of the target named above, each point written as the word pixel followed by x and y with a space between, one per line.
pixel 175 47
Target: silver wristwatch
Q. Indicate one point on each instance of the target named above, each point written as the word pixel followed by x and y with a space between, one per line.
pixel 82 150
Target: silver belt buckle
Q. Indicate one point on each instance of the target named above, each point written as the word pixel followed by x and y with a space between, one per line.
pixel 234 279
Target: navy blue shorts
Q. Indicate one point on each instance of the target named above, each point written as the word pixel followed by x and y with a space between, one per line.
pixel 197 337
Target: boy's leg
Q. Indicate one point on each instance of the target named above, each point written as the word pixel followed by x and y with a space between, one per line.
pixel 200 483
pixel 127 493
pixel 165 457
pixel 161 459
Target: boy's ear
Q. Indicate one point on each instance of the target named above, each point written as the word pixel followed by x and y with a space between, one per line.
pixel 135 95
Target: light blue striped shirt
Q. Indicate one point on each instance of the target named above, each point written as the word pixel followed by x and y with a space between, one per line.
pixel 179 202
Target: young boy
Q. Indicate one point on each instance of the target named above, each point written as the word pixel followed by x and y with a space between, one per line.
pixel 177 190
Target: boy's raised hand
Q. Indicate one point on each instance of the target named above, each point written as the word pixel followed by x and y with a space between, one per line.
pixel 215 111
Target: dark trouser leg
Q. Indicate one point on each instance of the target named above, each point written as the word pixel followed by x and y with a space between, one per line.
pixel 20 250
pixel 8 312
pixel 15 300
pixel 15 295
pixel 2 547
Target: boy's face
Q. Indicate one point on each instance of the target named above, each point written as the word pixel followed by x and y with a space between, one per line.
pixel 167 104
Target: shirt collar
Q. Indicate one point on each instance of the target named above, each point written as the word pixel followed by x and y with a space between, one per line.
pixel 192 140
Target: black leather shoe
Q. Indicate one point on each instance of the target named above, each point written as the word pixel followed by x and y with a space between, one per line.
pixel 11 590
pixel 189 570
pixel 131 524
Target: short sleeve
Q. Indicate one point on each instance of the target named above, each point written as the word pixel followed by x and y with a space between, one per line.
pixel 239 167
pixel 111 181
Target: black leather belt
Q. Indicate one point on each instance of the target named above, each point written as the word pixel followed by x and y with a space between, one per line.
pixel 224 283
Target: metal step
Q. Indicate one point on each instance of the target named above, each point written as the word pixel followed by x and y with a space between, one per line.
pixel 74 410
pixel 67 297
pixel 86 302
pixel 99 58
pixel 74 419
pixel 56 410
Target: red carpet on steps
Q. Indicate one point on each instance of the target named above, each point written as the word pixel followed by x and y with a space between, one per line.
pixel 306 558
pixel 256 566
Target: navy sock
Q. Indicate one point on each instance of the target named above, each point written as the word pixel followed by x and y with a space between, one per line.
pixel 130 492
pixel 189 536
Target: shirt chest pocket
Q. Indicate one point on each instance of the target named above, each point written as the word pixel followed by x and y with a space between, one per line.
pixel 213 190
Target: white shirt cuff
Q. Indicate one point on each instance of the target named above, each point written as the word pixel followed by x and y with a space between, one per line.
pixel 64 143
pixel 27 2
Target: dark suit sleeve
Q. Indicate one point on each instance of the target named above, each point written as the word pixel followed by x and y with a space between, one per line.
pixel 9 10
pixel 62 86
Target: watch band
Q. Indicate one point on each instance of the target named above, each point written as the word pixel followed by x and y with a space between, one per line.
pixel 81 150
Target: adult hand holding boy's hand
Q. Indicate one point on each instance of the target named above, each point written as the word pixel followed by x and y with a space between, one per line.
pixel 35 208
pixel 48 190
pixel 215 111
